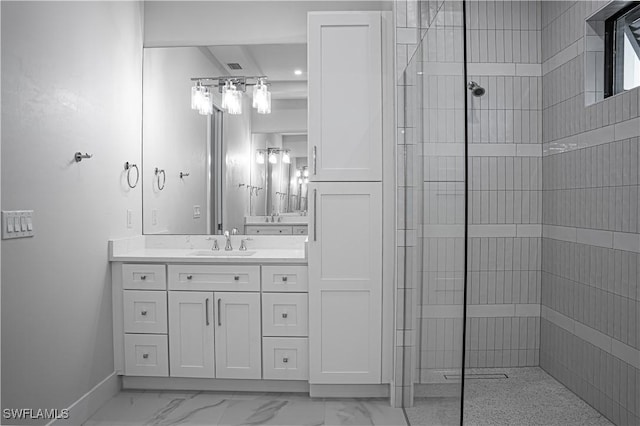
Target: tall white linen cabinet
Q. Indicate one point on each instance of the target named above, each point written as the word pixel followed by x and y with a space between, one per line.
pixel 345 197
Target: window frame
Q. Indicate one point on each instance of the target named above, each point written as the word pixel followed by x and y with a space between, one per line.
pixel 610 48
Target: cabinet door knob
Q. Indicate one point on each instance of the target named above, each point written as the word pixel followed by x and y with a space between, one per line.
pixel 236 278
pixel 189 277
pixel 143 313
pixel 145 356
pixel 143 277
pixel 284 279
pixel 284 315
pixel 285 359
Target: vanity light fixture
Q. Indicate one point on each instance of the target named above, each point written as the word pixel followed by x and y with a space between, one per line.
pixel 261 97
pixel 201 99
pixel 273 159
pixel 232 90
pixel 272 154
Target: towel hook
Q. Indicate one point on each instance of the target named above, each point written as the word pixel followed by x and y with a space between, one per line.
pixel 128 167
pixel 78 156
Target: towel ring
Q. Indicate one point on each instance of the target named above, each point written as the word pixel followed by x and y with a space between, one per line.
pixel 128 167
pixel 164 178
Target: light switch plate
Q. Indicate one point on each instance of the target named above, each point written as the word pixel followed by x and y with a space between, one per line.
pixel 17 224
pixel 196 212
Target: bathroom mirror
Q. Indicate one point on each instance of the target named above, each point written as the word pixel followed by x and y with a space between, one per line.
pixel 200 173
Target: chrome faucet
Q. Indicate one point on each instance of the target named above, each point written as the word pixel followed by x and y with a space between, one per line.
pixel 243 247
pixel 215 245
pixel 227 246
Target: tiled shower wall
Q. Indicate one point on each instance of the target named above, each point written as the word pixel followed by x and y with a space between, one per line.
pixel 505 188
pixel 590 323
pixel 505 184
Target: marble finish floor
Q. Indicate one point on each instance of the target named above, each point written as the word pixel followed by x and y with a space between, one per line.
pixel 240 408
pixel 528 397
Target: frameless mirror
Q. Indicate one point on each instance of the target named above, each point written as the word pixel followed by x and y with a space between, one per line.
pixel 201 174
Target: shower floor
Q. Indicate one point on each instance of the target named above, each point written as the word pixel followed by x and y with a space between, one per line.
pixel 529 396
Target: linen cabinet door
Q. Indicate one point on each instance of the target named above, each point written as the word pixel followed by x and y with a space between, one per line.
pixel 345 282
pixel 345 96
pixel 191 334
pixel 238 349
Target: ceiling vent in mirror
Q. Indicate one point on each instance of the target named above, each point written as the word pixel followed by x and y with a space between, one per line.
pixel 234 66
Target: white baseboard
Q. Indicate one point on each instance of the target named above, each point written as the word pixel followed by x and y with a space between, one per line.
pixel 349 391
pixel 91 401
pixel 198 384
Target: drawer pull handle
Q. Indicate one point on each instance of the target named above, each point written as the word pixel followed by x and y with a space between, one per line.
pixel 236 278
pixel 145 356
pixel 189 277
pixel 284 315
pixel 284 279
pixel 285 359
pixel 143 313
pixel 143 277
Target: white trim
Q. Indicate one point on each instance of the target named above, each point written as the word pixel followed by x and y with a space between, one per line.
pixel 349 391
pixel 480 311
pixel 229 385
pixel 626 241
pixel 90 402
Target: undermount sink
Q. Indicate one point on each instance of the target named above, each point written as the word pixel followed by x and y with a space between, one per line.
pixel 221 253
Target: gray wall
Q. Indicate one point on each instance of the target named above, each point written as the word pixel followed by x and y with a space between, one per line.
pixel 590 300
pixel 71 81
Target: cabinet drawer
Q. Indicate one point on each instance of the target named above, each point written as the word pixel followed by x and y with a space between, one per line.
pixel 268 230
pixel 145 311
pixel 285 358
pixel 146 355
pixel 285 314
pixel 299 230
pixel 214 277
pixel 144 277
pixel 285 278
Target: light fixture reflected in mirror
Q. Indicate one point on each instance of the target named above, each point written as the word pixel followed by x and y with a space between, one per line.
pixel 232 90
pixel 273 153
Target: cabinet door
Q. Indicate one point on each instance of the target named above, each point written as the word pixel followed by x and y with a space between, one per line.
pixel 345 96
pixel 345 282
pixel 237 335
pixel 191 334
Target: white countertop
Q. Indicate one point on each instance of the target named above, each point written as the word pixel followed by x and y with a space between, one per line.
pixel 190 249
pixel 281 220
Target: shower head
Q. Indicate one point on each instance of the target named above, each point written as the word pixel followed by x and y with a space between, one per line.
pixel 476 89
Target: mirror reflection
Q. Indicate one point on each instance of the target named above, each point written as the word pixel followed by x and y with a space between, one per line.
pixel 213 162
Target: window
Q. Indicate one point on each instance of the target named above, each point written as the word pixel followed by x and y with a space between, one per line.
pixel 622 50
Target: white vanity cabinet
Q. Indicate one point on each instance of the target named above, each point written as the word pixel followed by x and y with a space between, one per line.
pixel 191 334
pixel 207 321
pixel 238 336
pixel 143 320
pixel 285 322
pixel 345 96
